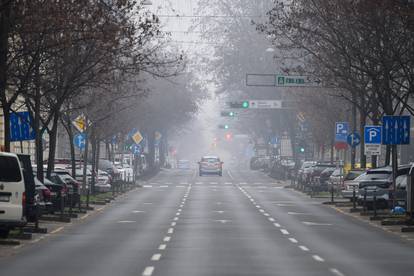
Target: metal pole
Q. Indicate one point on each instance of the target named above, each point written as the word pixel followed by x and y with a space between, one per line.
pixel 394 173
pixel 365 199
pixel 354 198
pixel 374 204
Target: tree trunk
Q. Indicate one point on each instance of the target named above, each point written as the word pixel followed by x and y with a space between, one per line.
pixel 93 161
pixel 362 122
pixel 5 23
pixel 52 144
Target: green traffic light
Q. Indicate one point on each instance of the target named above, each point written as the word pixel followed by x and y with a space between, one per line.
pixel 302 150
pixel 226 126
pixel 231 114
pixel 245 104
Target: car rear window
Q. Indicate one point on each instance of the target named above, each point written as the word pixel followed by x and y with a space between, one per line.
pixel 9 169
pixel 210 160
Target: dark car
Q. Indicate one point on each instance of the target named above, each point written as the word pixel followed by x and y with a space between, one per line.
pixel 323 179
pixel 43 197
pixel 316 170
pixel 31 210
pixel 72 186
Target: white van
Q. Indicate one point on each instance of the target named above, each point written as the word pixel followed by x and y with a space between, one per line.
pixel 12 193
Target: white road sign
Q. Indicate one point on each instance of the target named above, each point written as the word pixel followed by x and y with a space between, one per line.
pixel 372 149
pixel 265 104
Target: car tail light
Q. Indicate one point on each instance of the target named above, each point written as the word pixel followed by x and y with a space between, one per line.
pixel 46 194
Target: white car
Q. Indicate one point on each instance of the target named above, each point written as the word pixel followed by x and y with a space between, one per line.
pixel 103 183
pixel 12 193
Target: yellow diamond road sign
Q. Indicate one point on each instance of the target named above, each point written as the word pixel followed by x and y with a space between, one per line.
pixel 80 123
pixel 137 137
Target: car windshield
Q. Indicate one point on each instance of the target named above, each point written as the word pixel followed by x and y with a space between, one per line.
pixel 373 176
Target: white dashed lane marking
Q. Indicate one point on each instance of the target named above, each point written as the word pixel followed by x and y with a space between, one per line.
pixel 156 257
pixel 148 271
pixel 336 272
pixel 317 258
pixel 293 240
pixel 167 239
pixel 162 247
pixel 304 248
pixel 284 231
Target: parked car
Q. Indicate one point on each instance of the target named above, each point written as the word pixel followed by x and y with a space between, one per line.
pixel 379 180
pixel 43 197
pixel 12 193
pixel 103 183
pixel 304 171
pixel 56 192
pixel 31 210
pixel 70 186
pixel 312 177
pixel 323 178
pixel 351 182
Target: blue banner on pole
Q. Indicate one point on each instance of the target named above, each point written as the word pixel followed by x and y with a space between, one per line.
pixel 396 130
pixel 21 127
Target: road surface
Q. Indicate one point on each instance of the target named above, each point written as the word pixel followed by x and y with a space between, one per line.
pixel 243 223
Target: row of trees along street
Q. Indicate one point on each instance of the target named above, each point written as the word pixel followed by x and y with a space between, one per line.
pixel 363 51
pixel 59 59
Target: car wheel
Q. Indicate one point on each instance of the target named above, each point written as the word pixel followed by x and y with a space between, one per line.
pixel 4 233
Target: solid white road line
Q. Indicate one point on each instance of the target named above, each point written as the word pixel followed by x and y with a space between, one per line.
pixel 304 248
pixel 148 271
pixel 317 258
pixel 284 231
pixel 230 175
pixel 293 240
pixel 156 257
pixel 162 247
pixel 336 272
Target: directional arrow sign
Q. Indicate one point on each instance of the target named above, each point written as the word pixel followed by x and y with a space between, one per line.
pixel 80 140
pixel 396 130
pixel 354 139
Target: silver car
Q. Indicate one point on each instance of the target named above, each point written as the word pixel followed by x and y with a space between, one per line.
pixel 210 165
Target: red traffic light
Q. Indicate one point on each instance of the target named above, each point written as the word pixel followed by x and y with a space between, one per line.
pixel 229 136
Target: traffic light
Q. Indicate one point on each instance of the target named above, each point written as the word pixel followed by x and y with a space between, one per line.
pixel 229 136
pixel 245 104
pixel 224 126
pixel 228 114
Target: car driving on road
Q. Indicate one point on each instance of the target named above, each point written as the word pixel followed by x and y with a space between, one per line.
pixel 210 165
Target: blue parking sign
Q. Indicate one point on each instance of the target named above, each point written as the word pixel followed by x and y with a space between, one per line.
pixel 341 131
pixel 373 134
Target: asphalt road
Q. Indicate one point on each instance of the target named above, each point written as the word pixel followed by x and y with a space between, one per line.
pixel 243 223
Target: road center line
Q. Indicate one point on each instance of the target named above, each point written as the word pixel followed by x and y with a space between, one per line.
pixel 284 231
pixel 171 230
pixel 167 239
pixel 173 223
pixel 271 219
pixel 336 272
pixel 317 258
pixel 148 271
pixel 293 240
pixel 156 257
pixel 162 247
pixel 276 224
pixel 304 248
